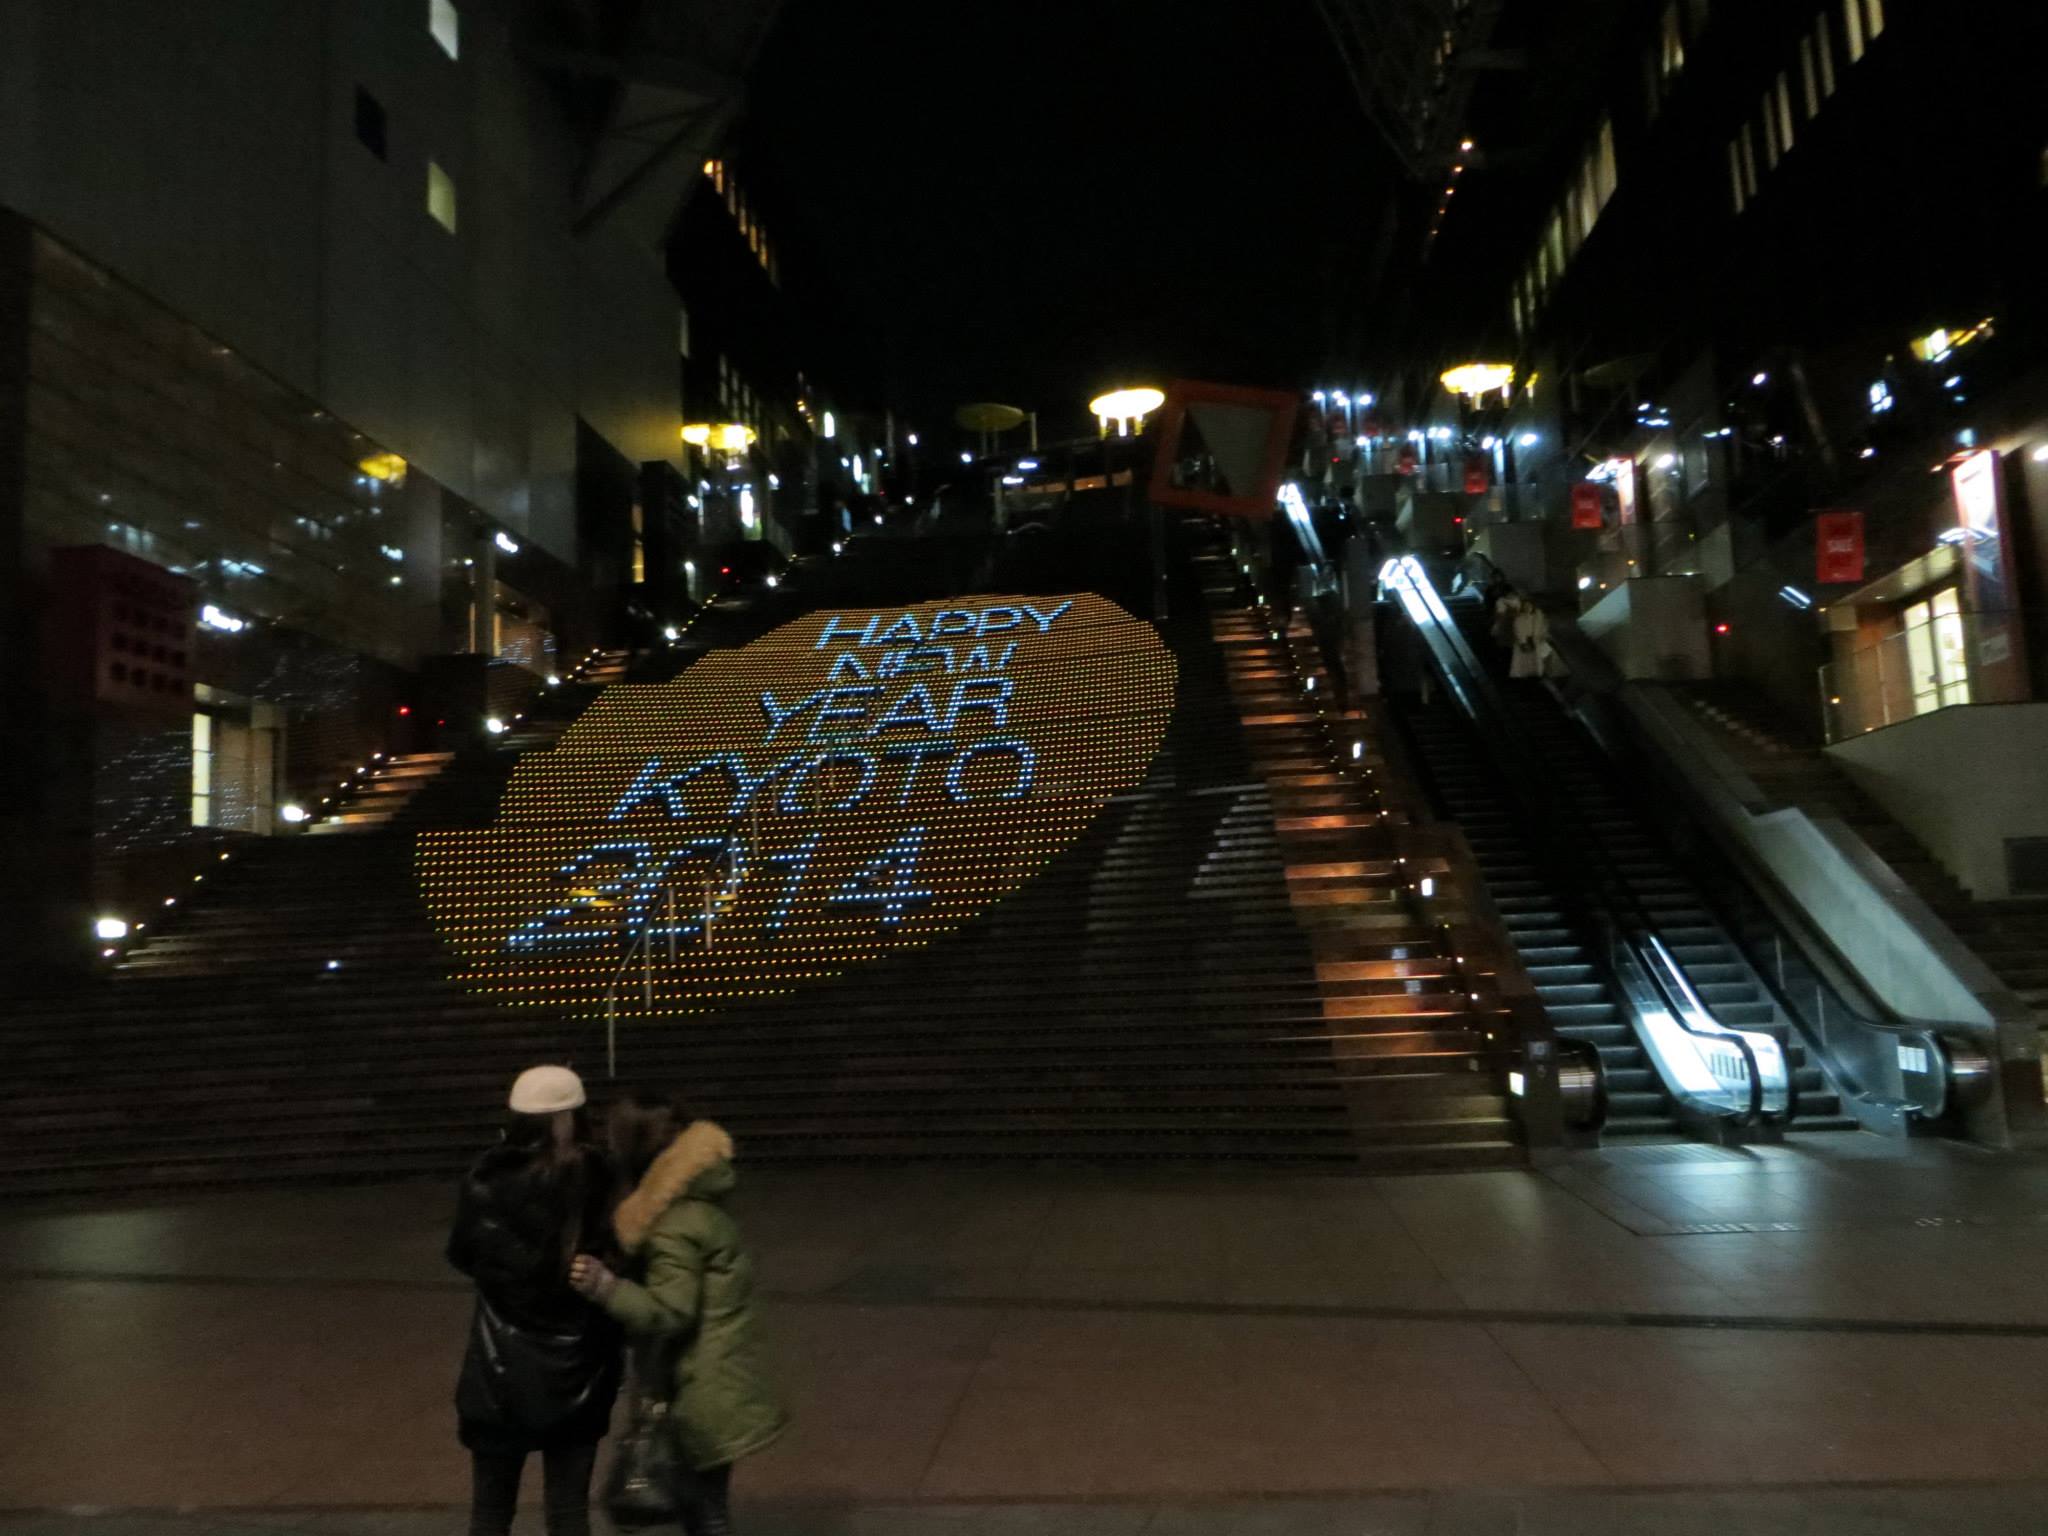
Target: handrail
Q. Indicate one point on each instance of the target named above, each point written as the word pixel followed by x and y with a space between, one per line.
pixel 1729 1074
pixel 640 935
pixel 1901 1068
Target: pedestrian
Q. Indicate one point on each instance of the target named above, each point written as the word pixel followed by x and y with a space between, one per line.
pixel 686 1300
pixel 1533 656
pixel 543 1364
pixel 1507 606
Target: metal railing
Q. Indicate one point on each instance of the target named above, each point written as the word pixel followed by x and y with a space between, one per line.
pixel 1717 1072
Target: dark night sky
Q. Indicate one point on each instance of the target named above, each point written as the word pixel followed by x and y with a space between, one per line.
pixel 1028 201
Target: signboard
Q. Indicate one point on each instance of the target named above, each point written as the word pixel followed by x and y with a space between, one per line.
pixel 1586 511
pixel 1475 477
pixel 1838 547
pixel 1998 668
pixel 849 784
pixel 1238 437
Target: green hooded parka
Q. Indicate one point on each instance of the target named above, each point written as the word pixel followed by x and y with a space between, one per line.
pixel 697 1288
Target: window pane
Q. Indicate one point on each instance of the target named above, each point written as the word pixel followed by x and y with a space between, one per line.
pixel 445 24
pixel 440 197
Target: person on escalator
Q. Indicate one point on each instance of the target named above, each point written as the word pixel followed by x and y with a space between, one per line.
pixel 1534 657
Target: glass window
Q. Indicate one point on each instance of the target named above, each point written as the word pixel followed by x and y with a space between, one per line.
pixel 1824 55
pixel 446 25
pixel 202 770
pixel 440 197
pixel 1852 27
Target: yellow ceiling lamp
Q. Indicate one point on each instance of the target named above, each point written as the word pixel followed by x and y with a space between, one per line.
pixel 1475 379
pixel 726 436
pixel 1126 407
pixel 387 467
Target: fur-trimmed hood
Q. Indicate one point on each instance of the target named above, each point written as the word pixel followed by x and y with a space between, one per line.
pixel 700 1158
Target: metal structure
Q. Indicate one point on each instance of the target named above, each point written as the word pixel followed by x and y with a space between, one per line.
pixel 1412 64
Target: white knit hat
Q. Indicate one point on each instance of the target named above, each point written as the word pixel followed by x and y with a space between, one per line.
pixel 546 1091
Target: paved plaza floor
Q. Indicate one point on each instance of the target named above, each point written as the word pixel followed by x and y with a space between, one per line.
pixel 1842 1335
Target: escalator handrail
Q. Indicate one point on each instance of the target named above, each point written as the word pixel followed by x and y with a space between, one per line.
pixel 1610 900
pixel 1841 992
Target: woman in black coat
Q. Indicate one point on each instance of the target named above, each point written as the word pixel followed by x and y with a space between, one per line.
pixel 543 1364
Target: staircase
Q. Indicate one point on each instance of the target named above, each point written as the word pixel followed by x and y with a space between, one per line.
pixel 1421 1075
pixel 379 792
pixel 1216 969
pixel 2010 937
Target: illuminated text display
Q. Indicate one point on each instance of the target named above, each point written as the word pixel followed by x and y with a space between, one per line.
pixel 850 783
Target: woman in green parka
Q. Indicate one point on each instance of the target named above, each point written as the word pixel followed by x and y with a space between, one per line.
pixel 692 1291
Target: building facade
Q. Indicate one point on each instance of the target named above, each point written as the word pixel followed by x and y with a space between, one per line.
pixel 334 338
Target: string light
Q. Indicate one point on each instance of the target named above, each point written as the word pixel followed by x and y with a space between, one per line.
pixel 848 784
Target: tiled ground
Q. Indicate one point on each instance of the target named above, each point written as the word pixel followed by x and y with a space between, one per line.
pixel 1860 1344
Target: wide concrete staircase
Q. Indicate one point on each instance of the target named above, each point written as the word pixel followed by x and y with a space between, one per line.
pixel 1219 968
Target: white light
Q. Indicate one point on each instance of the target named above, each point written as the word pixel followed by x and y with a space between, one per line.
pixel 291 813
pixel 111 928
pixel 878 519
pixel 837 547
pixel 1585 582
pixel 1666 460
pixel 1428 885
pixel 859 470
pixel 506 542
pixel 226 623
pixel 1319 397
pixel 1488 441
pixel 554 679
pixel 1527 440
pixel 1027 463
pixel 966 457
pixel 774 482
pixel 1795 597
pixel 2040 454
pixel 913 439
pixel 398 581
pixel 334 965
pixel 772 580
pixel 1365 400
pixel 1760 379
pixel 1868 453
pixel 1953 381
pixel 671 633
pixel 831 427
pixel 1341 398
pixel 690 568
pixel 1013 479
pixel 1517 1084
pixel 1357 750
pixel 1967 437
pixel 495 726
pixel 1310 684
pixel 747 518
pixel 391 551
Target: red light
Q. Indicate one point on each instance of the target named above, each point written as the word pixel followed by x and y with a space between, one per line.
pixel 1720 629
pixel 405 709
pixel 1458 520
pixel 440 722
pixel 725 570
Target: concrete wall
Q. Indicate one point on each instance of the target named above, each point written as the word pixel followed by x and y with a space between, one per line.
pixel 1653 627
pixel 206 151
pixel 1962 781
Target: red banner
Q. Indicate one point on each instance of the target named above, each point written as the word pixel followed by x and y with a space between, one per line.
pixel 1838 547
pixel 1475 477
pixel 1586 506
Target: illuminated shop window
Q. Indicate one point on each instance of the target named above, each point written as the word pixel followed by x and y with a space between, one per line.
pixel 1785 112
pixel 202 770
pixel 440 197
pixel 1852 27
pixel 1824 54
pixel 446 25
pixel 1808 79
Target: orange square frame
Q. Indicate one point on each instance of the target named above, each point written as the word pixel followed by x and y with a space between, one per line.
pixel 1262 499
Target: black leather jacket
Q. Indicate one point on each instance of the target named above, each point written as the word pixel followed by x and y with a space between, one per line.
pixel 543 1364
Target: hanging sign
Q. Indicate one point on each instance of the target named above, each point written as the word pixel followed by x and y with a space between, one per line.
pixel 1838 547
pixel 1586 506
pixel 850 784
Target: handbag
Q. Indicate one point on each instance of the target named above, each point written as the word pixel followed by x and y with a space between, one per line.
pixel 647 1477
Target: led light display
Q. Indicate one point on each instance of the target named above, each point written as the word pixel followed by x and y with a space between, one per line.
pixel 851 783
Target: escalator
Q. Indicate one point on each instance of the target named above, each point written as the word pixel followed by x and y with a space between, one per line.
pixel 1625 949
